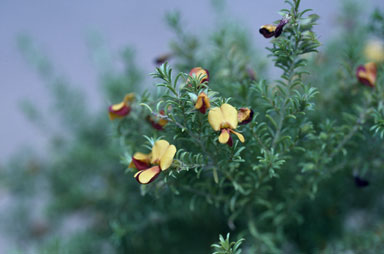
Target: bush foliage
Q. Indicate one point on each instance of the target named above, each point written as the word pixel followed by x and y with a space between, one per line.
pixel 307 178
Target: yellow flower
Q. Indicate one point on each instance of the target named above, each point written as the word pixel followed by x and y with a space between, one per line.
pixel 267 30
pixel 157 122
pixel 199 72
pixel 121 109
pixel 244 115
pixel 271 30
pixel 366 74
pixel 202 103
pixel 374 51
pixel 150 165
pixel 224 119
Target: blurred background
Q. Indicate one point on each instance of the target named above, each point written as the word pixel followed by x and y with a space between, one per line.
pixel 65 29
pixel 68 32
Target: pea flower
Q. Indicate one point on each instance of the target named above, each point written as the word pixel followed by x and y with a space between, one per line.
pixel 150 165
pixel 244 115
pixel 202 103
pixel 157 122
pixel 271 30
pixel 121 109
pixel 163 58
pixel 374 51
pixel 267 30
pixel 200 72
pixel 366 74
pixel 224 119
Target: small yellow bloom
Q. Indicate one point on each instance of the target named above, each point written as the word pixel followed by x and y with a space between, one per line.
pixel 202 103
pixel 374 51
pixel 271 30
pixel 199 72
pixel 244 115
pixel 150 165
pixel 157 122
pixel 121 109
pixel 267 30
pixel 224 119
pixel 366 74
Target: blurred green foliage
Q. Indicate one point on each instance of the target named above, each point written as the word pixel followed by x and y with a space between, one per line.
pixel 291 188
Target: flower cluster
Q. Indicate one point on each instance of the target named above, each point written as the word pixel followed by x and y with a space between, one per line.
pixel 225 119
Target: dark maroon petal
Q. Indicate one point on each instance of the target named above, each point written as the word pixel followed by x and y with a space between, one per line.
pixel 162 59
pixel 154 124
pixel 121 112
pixel 365 81
pixel 207 76
pixel 266 33
pixel 280 26
pixel 140 165
pixel 203 108
pixel 230 142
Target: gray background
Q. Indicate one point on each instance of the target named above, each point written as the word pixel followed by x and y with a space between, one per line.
pixel 60 28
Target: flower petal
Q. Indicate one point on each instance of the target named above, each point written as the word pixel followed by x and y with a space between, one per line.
pixel 280 26
pixel 158 150
pixel 148 175
pixel 224 136
pixel 200 73
pixel 117 107
pixel 202 103
pixel 163 58
pixel 244 115
pixel 118 110
pixel 215 118
pixel 267 30
pixel 129 97
pixel 374 51
pixel 167 158
pixel 140 161
pixel 206 102
pixel 367 74
pixel 113 116
pixel 229 115
pixel 199 102
pixel 239 136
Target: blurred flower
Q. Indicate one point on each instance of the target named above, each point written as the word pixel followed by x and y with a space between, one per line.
pixel 199 73
pixel 157 122
pixel 366 74
pixel 150 165
pixel 244 115
pixel 163 58
pixel 202 103
pixel 360 182
pixel 374 51
pixel 280 26
pixel 121 109
pixel 224 119
pixel 267 30
pixel 271 30
pixel 251 73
